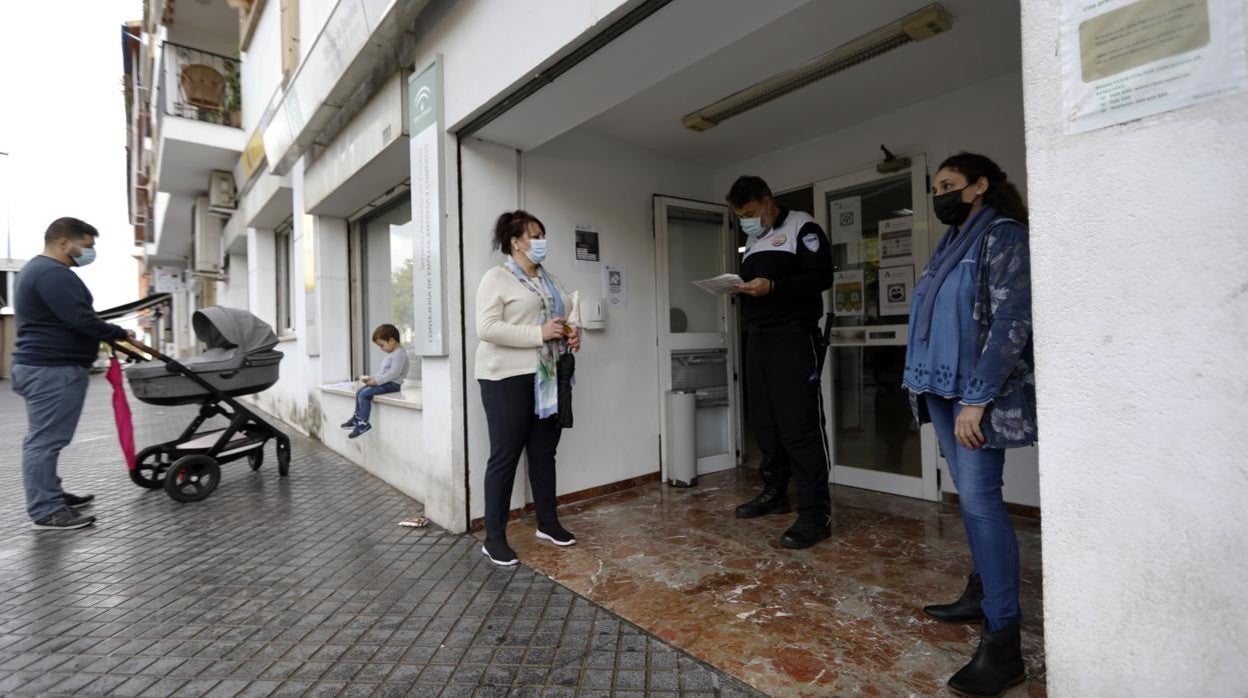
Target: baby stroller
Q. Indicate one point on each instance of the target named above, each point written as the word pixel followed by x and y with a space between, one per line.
pixel 239 360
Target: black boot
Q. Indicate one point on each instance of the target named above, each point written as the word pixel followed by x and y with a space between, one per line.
pixel 966 608
pixel 996 666
pixel 773 500
pixel 807 531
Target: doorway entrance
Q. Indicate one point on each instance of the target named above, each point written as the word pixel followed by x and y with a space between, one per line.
pixel 878 229
pixel 697 330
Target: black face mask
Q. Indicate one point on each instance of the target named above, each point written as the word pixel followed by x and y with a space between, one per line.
pixel 950 208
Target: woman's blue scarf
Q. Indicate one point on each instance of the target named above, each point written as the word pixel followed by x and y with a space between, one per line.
pixel 948 253
pixel 546 389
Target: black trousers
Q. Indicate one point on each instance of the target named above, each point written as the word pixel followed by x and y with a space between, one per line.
pixel 786 413
pixel 514 429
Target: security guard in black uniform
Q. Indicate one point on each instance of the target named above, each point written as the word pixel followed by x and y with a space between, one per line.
pixel 786 268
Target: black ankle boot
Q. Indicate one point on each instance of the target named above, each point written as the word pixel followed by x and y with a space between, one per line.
pixel 966 609
pixel 773 500
pixel 996 666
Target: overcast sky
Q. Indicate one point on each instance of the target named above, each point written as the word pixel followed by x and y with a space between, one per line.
pixel 63 125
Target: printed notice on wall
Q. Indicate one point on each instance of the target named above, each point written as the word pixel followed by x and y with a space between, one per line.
pixel 588 252
pixel 1127 59
pixel 617 285
pixel 896 287
pixel 848 294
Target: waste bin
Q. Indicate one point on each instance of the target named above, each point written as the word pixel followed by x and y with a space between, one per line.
pixel 681 457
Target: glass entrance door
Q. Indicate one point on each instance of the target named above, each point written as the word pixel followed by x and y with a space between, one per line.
pixel 696 348
pixel 877 224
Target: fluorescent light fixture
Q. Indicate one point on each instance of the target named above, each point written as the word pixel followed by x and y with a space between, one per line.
pixel 924 24
pixel 903 212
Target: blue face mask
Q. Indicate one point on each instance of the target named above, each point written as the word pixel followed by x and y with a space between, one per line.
pixel 537 251
pixel 85 257
pixel 753 227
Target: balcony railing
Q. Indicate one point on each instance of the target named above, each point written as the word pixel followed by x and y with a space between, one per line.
pixel 200 85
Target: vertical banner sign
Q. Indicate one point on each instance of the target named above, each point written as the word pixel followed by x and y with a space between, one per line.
pixel 424 111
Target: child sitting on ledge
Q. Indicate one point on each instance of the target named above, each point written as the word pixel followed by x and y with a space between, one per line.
pixel 388 380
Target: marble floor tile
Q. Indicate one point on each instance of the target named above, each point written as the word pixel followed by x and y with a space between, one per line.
pixel 843 618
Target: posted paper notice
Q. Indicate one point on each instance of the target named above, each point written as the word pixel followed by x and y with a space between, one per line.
pixel 848 294
pixel 896 288
pixel 1126 59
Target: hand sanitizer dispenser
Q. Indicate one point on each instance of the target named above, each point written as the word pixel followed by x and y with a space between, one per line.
pixel 593 313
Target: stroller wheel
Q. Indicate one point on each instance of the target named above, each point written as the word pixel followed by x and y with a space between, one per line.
pixel 192 478
pixel 255 458
pixel 150 466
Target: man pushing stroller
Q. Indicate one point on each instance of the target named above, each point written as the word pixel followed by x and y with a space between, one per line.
pixel 58 338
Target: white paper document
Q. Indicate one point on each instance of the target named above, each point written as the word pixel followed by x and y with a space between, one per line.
pixel 722 285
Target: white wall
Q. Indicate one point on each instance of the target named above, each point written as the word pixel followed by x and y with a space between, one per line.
pixel 587 179
pixel 1141 308
pixel 938 128
pixel 234 293
pixel 262 65
pixel 490 45
pixel 312 17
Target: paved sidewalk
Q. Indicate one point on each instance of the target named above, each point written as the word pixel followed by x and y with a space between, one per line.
pixel 296 586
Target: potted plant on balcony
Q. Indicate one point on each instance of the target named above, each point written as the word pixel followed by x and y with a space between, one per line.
pixel 233 97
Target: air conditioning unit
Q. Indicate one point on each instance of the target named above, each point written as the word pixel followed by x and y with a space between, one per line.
pixel 221 192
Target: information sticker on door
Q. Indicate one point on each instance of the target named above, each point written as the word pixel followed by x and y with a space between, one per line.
pixel 896 288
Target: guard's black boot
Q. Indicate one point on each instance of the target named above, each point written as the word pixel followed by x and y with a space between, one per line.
pixel 773 500
pixel 996 666
pixel 966 609
pixel 807 531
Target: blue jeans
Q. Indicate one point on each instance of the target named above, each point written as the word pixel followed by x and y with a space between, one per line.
pixel 364 398
pixel 54 396
pixel 989 532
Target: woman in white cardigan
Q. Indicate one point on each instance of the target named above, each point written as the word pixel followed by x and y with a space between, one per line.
pixel 521 320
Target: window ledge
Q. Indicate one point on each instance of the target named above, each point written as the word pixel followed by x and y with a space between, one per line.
pixel 408 398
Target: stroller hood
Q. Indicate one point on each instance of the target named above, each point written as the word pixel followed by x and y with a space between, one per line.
pixel 219 327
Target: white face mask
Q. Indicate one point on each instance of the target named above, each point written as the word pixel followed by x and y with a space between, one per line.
pixel 86 255
pixel 537 250
pixel 753 227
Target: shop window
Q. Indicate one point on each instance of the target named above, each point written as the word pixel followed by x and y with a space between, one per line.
pixel 382 286
pixel 282 252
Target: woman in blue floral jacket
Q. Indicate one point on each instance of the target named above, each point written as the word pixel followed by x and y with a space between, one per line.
pixel 969 371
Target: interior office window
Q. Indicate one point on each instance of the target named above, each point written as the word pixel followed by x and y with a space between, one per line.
pixel 285 309
pixel 386 286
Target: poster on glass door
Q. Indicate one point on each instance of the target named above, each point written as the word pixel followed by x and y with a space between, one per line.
pixel 896 243
pixel 896 288
pixel 849 294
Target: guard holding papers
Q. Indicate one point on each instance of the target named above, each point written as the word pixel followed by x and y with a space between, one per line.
pixel 786 268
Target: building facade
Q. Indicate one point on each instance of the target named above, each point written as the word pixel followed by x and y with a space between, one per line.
pixel 334 165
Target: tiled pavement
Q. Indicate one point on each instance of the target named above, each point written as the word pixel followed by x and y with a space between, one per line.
pixel 296 586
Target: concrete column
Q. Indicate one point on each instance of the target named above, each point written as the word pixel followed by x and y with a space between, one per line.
pixel 1139 265
pixel 262 275
pixel 333 298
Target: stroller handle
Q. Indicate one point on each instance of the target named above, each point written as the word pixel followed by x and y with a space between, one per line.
pixel 135 344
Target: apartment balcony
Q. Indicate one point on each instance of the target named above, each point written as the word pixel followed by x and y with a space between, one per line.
pixel 198 108
pixel 198 112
